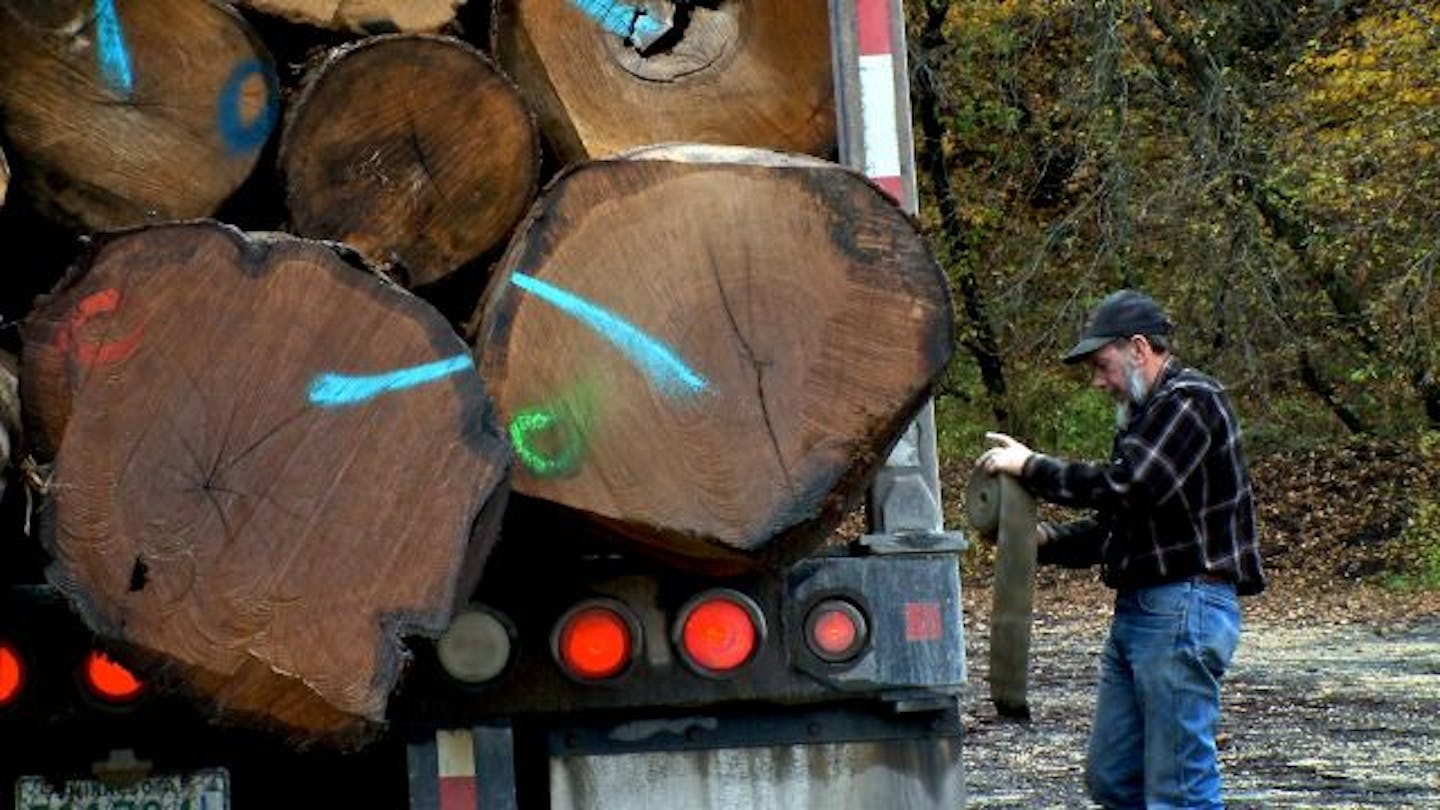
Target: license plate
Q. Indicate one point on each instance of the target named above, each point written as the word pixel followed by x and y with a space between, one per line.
pixel 202 790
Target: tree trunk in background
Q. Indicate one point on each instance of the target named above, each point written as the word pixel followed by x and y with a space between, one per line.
pixel 273 466
pixel 127 111
pixel 363 16
pixel 412 149
pixel 747 72
pixel 708 350
pixel 978 336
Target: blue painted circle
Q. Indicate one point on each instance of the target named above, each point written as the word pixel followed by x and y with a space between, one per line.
pixel 238 135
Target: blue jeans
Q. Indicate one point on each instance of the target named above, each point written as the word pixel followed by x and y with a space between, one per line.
pixel 1153 742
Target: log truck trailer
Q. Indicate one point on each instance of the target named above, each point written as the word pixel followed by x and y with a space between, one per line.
pixel 608 681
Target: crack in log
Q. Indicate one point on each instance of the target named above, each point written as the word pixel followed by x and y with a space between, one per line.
pixel 138 575
pixel 759 366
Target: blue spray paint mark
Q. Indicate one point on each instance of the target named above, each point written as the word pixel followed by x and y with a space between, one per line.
pixel 664 368
pixel 110 49
pixel 622 19
pixel 334 390
pixel 239 135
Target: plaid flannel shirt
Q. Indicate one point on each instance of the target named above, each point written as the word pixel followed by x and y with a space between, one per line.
pixel 1173 501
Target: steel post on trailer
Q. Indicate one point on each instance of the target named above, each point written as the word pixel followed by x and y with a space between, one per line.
pixel 872 99
pixel 463 769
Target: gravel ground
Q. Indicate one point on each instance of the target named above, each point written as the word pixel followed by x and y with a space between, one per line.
pixel 1333 700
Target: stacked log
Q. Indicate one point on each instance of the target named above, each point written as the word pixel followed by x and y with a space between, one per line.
pixel 709 350
pixel 363 16
pixel 236 490
pixel 605 77
pixel 10 418
pixel 262 461
pixel 130 111
pixel 412 149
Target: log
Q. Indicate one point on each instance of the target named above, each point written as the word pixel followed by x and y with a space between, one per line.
pixel 363 16
pixel 604 78
pixel 412 149
pixel 707 351
pixel 271 465
pixel 10 418
pixel 120 112
pixel 4 177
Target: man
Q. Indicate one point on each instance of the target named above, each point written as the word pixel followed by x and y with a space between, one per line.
pixel 1174 533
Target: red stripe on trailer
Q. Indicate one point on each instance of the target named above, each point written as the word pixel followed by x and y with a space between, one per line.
pixel 892 185
pixel 459 793
pixel 873 26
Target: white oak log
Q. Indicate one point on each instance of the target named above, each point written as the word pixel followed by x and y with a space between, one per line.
pixel 363 16
pixel 610 76
pixel 412 149
pixel 707 351
pixel 130 111
pixel 270 465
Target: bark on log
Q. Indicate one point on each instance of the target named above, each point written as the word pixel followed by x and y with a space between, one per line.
pixel 10 419
pixel 363 16
pixel 412 149
pixel 128 111
pixel 748 72
pixel 708 350
pixel 271 466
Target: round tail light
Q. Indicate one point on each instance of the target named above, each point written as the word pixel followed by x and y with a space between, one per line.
pixel 597 640
pixel 719 631
pixel 12 673
pixel 476 646
pixel 110 681
pixel 836 630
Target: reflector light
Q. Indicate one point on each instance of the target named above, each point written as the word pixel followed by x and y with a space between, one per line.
pixel 12 673
pixel 836 630
pixel 596 640
pixel 719 632
pixel 475 647
pixel 110 681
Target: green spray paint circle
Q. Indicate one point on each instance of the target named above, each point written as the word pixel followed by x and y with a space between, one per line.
pixel 528 426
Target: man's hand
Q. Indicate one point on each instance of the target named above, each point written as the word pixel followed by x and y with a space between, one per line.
pixel 1008 456
pixel 1044 533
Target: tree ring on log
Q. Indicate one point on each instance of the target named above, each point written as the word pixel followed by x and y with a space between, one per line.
pixel 701 40
pixel 748 72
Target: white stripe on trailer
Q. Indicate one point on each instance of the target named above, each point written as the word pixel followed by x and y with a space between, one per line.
pixel 455 762
pixel 878 115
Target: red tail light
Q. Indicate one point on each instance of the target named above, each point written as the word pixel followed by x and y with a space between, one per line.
pixel 596 640
pixel 110 681
pixel 719 631
pixel 836 630
pixel 12 673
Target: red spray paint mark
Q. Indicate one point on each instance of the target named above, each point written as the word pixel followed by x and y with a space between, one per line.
pixel 98 352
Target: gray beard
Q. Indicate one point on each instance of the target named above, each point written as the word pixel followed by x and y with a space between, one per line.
pixel 1134 389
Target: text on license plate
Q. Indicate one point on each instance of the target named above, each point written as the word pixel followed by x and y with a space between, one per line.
pixel 202 790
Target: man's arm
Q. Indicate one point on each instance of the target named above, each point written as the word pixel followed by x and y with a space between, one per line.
pixel 1071 545
pixel 1151 463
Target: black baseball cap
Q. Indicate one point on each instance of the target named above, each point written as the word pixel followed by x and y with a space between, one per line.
pixel 1120 315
